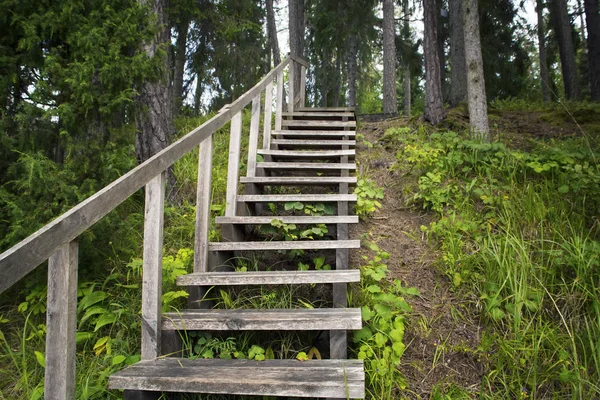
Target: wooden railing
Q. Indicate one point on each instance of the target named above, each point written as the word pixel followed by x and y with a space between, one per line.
pixel 57 241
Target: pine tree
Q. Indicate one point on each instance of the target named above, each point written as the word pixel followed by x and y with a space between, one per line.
pixel 434 111
pixel 390 104
pixel 458 70
pixel 567 49
pixel 593 27
pixel 544 74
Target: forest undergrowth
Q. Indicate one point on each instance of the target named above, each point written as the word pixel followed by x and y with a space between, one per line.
pixel 480 267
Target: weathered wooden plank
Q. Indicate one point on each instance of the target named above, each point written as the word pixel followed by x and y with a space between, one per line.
pixel 233 165
pixel 323 124
pixel 321 114
pixel 285 245
pixel 291 89
pixel 286 378
pixel 321 198
pixel 314 133
pixel 268 115
pixel 311 154
pixel 302 95
pixel 268 277
pixel 253 139
pixel 326 109
pixel 61 323
pixel 350 219
pixel 300 61
pixel 152 267
pixel 203 196
pixel 279 102
pixel 22 258
pixel 316 143
pixel 291 166
pixel 307 319
pixel 298 180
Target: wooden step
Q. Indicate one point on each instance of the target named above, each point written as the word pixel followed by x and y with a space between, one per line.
pixel 298 319
pixel 320 124
pixel 317 154
pixel 269 278
pixel 312 143
pixel 285 245
pixel 328 219
pixel 287 378
pixel 284 198
pixel 299 166
pixel 338 114
pixel 298 180
pixel 325 109
pixel 307 133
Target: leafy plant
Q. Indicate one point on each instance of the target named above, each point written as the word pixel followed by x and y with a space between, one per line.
pixel 369 195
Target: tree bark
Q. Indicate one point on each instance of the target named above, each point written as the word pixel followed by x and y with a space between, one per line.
pixel 407 78
pixel 593 28
pixel 458 69
pixel 544 74
pixel 434 111
pixel 390 102
pixel 567 50
pixel 154 117
pixel 272 34
pixel 296 33
pixel 180 50
pixel 352 70
pixel 478 117
pixel 440 46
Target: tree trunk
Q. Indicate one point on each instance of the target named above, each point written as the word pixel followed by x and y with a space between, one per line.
pixel 567 50
pixel 458 69
pixel 544 74
pixel 296 33
pixel 581 20
pixel 272 34
pixel 180 48
pixel 440 46
pixel 390 102
pixel 352 70
pixel 406 36
pixel 434 111
pixel 337 84
pixel 154 117
pixel 478 117
pixel 593 27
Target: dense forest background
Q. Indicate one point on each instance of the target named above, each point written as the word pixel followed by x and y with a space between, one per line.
pixel 89 89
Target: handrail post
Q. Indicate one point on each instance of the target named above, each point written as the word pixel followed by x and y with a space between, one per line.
pixel 253 140
pixel 233 165
pixel 61 323
pixel 291 80
pixel 302 97
pixel 203 205
pixel 152 267
pixel 279 103
pixel 268 116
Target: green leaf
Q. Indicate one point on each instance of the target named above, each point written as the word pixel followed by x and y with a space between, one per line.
pixel 302 356
pixel 39 356
pixel 363 334
pixel 83 336
pixel 118 359
pixel 457 279
pixel 384 311
pixel 367 313
pixel 563 189
pixel 105 319
pixel 374 289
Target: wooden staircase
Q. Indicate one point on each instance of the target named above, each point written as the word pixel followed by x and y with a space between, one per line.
pixel 311 153
pixel 306 157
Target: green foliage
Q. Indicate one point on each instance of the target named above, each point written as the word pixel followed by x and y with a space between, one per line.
pixel 369 195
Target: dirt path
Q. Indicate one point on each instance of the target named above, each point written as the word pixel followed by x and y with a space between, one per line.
pixel 441 337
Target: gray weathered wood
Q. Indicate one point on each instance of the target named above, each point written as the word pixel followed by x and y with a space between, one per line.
pixel 298 180
pixel 320 198
pixel 314 143
pixel 318 114
pixel 308 154
pixel 61 323
pixel 305 319
pixel 203 205
pixel 302 95
pixel 286 378
pixel 152 267
pixel 318 134
pixel 350 219
pixel 300 61
pixel 326 109
pixel 233 165
pixel 279 101
pixel 22 258
pixel 253 140
pixel 291 166
pixel 268 277
pixel 321 124
pixel 268 115
pixel 285 245
pixel 291 92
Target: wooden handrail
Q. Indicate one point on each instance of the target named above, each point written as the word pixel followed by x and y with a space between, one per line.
pixel 28 254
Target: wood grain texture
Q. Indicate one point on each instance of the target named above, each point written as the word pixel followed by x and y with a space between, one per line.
pixel 326 109
pixel 285 245
pixel 267 120
pixel 253 140
pixel 264 320
pixel 350 219
pixel 307 154
pixel 152 267
pixel 286 378
pixel 291 91
pixel 322 124
pixel 268 277
pixel 61 323
pixel 315 133
pixel 318 114
pixel 203 197
pixel 291 166
pixel 233 165
pixel 302 95
pixel 278 102
pixel 24 257
pixel 268 198
pixel 298 180
pixel 315 143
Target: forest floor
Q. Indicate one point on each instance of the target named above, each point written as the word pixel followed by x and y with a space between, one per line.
pixel 443 333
